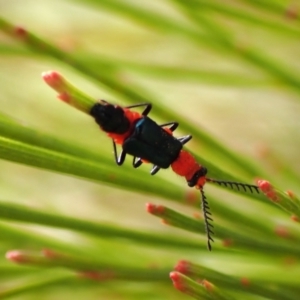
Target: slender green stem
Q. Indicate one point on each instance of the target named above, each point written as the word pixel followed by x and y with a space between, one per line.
pixel 86 266
pixel 20 213
pixel 229 10
pixel 231 238
pixel 203 291
pixel 36 283
pixel 286 201
pixel 222 37
pixel 234 283
pixel 59 162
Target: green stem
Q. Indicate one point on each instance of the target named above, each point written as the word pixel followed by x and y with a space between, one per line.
pixel 41 158
pixel 20 213
pixel 234 283
pixel 230 237
pixel 36 283
pixel 88 267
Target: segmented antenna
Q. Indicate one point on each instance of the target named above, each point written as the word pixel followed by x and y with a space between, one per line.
pixel 207 218
pixel 232 184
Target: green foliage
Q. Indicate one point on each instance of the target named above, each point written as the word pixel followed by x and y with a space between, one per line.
pixel 227 72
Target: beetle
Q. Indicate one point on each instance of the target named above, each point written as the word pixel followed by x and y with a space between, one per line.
pixel 149 142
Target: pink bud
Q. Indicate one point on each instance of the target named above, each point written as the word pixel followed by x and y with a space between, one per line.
pixel 54 80
pixel 183 267
pixel 155 209
pixel 177 281
pixel 264 185
pixel 209 286
pixel 295 218
pixel 16 256
pixel 227 243
pixel 282 231
pixel 20 32
pixel 290 194
pixel 245 281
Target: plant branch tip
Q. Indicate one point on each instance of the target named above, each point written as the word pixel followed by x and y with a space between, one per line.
pixel 282 231
pixel 183 267
pixel 155 209
pixel 264 185
pixel 291 194
pixel 268 190
pixel 178 281
pixel 20 31
pixel 245 281
pixel 54 80
pixel 295 218
pixel 15 256
pixel 227 243
pixel 292 12
pixel 207 285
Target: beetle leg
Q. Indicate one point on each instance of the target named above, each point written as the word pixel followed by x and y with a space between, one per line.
pixel 154 170
pixel 136 162
pixel 146 110
pixel 184 139
pixel 173 126
pixel 119 160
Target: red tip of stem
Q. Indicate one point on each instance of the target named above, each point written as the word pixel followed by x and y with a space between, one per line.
pixel 209 286
pixel 177 281
pixel 282 231
pixel 227 243
pixel 20 31
pixel 192 197
pixel 51 77
pixel 245 281
pixel 264 185
pixel 292 12
pixel 154 209
pixel 295 218
pixel 290 194
pixel 150 207
pixel 197 216
pixel 183 266
pixel 15 256
pixel 166 222
pixel 55 80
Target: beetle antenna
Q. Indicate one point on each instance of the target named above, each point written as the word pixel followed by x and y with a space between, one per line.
pixel 207 219
pixel 232 184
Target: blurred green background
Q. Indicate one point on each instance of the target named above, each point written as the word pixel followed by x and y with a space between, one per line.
pixel 230 70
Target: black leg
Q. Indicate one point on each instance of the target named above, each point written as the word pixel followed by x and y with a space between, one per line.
pixel 136 162
pixel 119 160
pixel 146 110
pixel 154 170
pixel 173 126
pixel 184 139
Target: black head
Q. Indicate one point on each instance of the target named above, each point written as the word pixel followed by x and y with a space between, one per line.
pixel 111 118
pixel 200 173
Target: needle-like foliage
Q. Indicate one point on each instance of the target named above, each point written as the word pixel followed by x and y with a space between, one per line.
pixel 74 225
